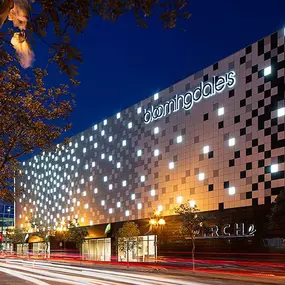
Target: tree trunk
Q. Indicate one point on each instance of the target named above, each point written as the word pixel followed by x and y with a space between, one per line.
pixel 193 253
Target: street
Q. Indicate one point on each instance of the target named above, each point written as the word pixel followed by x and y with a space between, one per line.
pixel 13 271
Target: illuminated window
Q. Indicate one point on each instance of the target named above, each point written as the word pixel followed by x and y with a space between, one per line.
pixel 130 125
pixel 105 179
pixel 139 152
pixel 127 213
pixel 133 196
pixel 139 206
pixel 179 139
pixel 124 183
pixel 102 133
pixel 155 96
pixel 110 187
pixel 95 145
pixel 171 165
pixel 110 211
pixel 95 127
pixel 110 139
pixel 102 155
pixel 93 164
pixel 124 143
pixel 160 208
pixel 206 149
pixel 139 110
pixel 281 112
pixel 91 178
pixel 103 203
pixel 232 141
pixel 152 192
pixel 156 130
pixel 86 206
pixel 274 168
pixel 105 122
pixel 118 116
pixel 110 157
pixel 84 149
pixel 232 191
pixel 201 176
pixel 179 199
pixel 118 164
pixel 76 145
pixel 156 152
pixel 82 138
pixel 96 190
pixel 267 70
pixel 221 111
pixel 142 178
pixel 118 204
pixel 192 203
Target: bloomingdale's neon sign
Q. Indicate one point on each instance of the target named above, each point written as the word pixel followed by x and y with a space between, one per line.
pixel 187 100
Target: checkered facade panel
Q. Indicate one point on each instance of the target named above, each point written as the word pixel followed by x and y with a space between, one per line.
pixel 227 151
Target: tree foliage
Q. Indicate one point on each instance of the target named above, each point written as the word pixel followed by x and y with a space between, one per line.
pixel 55 22
pixel 277 215
pixel 32 117
pixel 76 234
pixel 128 237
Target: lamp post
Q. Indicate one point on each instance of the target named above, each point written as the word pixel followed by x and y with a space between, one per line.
pixel 156 224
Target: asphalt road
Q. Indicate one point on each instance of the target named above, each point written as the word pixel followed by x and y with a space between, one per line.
pixel 18 272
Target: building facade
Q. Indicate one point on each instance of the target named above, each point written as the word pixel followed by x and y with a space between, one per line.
pixel 215 139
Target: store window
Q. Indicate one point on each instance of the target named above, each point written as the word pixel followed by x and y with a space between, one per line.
pixel 143 249
pixel 22 249
pixel 97 249
pixel 41 248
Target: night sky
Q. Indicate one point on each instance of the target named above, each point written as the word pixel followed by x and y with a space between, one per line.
pixel 124 63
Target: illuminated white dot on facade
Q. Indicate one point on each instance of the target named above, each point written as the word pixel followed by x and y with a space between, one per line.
pixel 201 176
pixel 105 122
pixel 192 203
pixel 110 211
pixel 105 179
pixel 139 152
pixel 103 156
pixel 91 138
pixel 124 183
pixel 206 149
pixel 267 70
pixel 281 112
pixel 155 96
pixel 110 157
pixel 152 192
pixel 156 130
pixel 84 150
pixel 95 127
pixel 139 110
pixel 133 196
pixel 118 115
pixel 232 191
pixel 95 145
pixel 232 141
pixel 96 190
pixel 118 204
pixel 139 206
pixel 103 203
pixel 179 199
pixel 118 164
pixel 221 111
pixel 102 133
pixel 110 187
pixel 156 152
pixel 179 139
pixel 171 165
pixel 82 138
pixel 142 179
pixel 127 213
pixel 124 143
pixel 110 139
pixel 160 208
pixel 274 168
pixel 130 125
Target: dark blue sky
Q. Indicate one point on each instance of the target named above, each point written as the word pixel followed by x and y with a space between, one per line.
pixel 124 63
